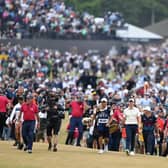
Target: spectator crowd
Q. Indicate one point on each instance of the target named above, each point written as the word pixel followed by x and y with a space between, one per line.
pixel 53 19
pixel 104 95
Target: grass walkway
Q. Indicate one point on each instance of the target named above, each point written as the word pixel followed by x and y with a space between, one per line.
pixel 73 157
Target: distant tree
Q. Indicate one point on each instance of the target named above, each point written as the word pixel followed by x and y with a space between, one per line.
pixel 91 6
pixel 138 12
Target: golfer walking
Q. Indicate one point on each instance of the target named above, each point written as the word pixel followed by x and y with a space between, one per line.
pixel 132 121
pixel 30 115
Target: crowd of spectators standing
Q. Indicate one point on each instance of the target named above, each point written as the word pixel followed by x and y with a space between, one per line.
pixel 136 74
pixel 53 19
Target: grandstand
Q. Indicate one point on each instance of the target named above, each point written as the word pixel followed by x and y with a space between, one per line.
pixel 50 19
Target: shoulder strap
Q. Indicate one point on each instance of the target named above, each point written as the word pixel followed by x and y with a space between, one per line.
pixel 166 123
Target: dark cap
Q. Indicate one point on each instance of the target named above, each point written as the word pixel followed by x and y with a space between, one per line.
pixel 20 98
pixel 29 96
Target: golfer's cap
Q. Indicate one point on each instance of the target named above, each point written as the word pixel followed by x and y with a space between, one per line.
pixel 131 100
pixel 29 96
pixel 147 108
pixel 103 99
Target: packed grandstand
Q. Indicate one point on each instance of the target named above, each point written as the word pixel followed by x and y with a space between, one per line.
pixel 52 19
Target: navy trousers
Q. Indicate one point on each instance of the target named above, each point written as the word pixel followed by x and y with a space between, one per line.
pixel 131 131
pixel 149 140
pixel 28 133
pixel 76 122
pixel 114 141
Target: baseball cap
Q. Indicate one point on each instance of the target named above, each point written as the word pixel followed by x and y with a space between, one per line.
pixel 103 99
pixel 54 89
pixel 147 108
pixel 29 96
pixel 102 88
pixel 147 94
pixel 131 100
pixel 93 92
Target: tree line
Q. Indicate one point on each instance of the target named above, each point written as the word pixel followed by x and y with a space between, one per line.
pixel 138 12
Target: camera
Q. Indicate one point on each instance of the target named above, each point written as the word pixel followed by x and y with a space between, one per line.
pixel 43 108
pixel 61 114
pixel 61 111
pixel 56 111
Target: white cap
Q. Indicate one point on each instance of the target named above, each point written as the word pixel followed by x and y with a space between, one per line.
pixel 147 108
pixel 54 89
pixel 131 100
pixel 89 86
pixel 103 99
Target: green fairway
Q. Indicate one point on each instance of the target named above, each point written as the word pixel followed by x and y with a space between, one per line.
pixel 73 157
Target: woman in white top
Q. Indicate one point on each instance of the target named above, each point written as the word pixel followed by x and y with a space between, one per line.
pixel 132 121
pixel 18 126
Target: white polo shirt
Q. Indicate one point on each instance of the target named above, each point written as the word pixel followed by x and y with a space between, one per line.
pixel 131 115
pixel 15 113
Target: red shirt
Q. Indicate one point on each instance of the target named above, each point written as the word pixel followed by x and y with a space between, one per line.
pixel 160 124
pixel 117 114
pixel 29 111
pixel 124 135
pixel 3 103
pixel 77 108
